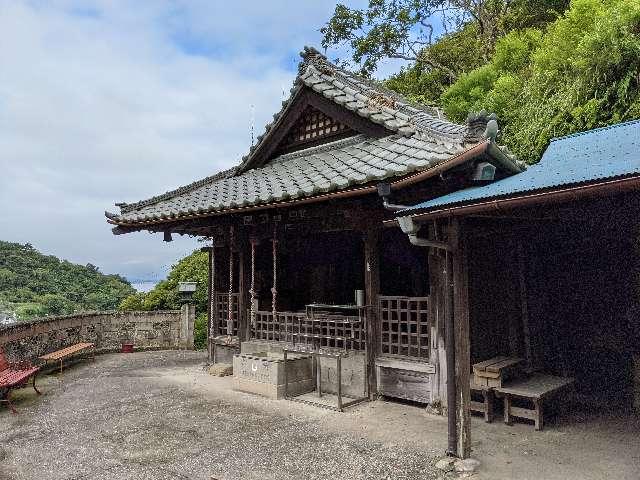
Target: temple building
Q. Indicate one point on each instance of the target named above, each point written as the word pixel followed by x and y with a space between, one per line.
pixel 306 255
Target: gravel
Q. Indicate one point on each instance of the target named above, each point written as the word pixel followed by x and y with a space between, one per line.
pixel 142 416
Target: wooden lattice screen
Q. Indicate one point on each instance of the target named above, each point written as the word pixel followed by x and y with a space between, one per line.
pixel 404 326
pixel 313 125
pixel 325 331
pixel 222 309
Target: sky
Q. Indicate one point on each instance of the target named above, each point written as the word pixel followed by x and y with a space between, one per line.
pixel 109 101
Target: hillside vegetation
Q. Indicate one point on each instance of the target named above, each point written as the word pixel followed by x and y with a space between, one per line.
pixel 33 284
pixel 192 268
pixel 547 68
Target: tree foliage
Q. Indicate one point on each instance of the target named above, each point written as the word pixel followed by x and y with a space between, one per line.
pixel 164 296
pixel 407 29
pixel 33 284
pixel 580 73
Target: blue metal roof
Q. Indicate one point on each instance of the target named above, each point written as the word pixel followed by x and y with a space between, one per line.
pixel 581 158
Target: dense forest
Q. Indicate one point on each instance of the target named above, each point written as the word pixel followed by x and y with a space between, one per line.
pixel 33 284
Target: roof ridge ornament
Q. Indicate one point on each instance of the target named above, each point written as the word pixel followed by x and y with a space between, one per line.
pixel 481 126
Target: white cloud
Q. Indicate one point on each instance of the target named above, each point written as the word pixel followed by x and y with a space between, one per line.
pixel 109 101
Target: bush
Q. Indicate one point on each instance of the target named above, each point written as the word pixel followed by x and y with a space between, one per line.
pixel 200 332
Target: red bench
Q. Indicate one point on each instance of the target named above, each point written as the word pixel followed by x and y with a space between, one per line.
pixel 15 375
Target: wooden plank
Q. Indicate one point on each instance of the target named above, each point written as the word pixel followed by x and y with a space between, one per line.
pixel 537 386
pixel 414 386
pixel 505 364
pixel 405 365
pixel 482 366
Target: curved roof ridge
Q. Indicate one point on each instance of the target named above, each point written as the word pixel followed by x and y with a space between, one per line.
pixel 424 116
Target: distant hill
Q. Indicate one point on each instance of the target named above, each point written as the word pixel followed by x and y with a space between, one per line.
pixel 33 284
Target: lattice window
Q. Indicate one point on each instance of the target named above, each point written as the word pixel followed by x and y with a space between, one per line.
pixel 222 309
pixel 313 125
pixel 404 326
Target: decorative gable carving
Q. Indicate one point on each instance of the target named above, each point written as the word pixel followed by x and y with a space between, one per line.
pixel 313 127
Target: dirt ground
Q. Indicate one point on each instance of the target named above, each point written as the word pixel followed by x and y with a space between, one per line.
pixel 158 415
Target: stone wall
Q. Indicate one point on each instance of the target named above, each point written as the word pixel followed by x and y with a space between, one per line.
pixel 171 329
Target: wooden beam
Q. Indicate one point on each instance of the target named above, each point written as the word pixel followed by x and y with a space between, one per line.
pixel 372 290
pixel 462 340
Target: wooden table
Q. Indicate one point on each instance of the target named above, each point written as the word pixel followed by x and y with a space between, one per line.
pixel 537 388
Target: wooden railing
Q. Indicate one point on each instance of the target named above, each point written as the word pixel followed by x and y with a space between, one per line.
pixel 404 326
pixel 324 331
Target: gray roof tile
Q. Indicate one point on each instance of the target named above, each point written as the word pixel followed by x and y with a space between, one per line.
pixel 419 137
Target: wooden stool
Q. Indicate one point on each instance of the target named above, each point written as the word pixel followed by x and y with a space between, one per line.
pixel 486 406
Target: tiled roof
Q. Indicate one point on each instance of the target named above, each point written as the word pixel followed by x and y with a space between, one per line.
pixel 326 168
pixel 366 98
pixel 579 159
pixel 419 137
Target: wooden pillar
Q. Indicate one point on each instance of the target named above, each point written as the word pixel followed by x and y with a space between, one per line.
pixel 274 288
pixel 372 290
pixel 230 302
pixel 462 340
pixel 437 324
pixel 210 298
pixel 252 287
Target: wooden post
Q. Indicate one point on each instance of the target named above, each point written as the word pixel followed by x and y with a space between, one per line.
pixel 230 299
pixel 372 290
pixel 274 288
pixel 210 300
pixel 215 325
pixel 462 340
pixel 524 307
pixel 252 287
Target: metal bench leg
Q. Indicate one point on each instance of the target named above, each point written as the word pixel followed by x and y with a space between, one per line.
pixel 7 400
pixel 34 384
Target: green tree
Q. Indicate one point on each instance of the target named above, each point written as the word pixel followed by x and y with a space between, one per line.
pixel 582 73
pixel 56 304
pixel 406 29
pixel 192 268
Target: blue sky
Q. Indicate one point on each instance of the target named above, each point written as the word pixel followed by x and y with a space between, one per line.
pixel 106 101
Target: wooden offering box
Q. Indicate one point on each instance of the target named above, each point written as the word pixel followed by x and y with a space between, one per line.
pixel 495 371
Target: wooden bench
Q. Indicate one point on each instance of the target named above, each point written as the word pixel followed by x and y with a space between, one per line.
pixel 15 375
pixel 61 355
pixel 538 388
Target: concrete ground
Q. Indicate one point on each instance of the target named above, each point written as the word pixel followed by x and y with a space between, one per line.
pixel 159 415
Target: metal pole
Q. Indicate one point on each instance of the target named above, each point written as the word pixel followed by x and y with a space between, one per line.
pixel 339 375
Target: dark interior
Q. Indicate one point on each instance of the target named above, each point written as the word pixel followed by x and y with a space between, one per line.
pixel 572 277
